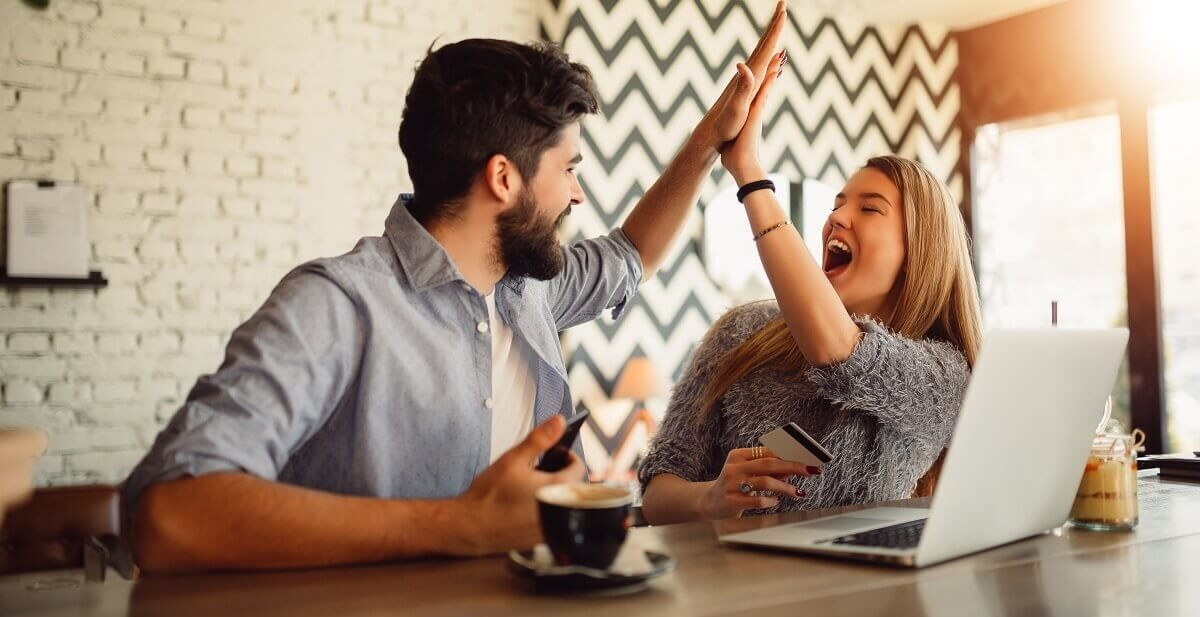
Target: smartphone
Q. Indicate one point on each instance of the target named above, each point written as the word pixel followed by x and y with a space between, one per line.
pixel 790 443
pixel 556 457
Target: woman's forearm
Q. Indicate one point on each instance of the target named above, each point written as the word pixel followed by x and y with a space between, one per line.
pixel 814 313
pixel 671 499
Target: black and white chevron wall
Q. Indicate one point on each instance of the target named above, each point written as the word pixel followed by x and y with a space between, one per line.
pixel 851 90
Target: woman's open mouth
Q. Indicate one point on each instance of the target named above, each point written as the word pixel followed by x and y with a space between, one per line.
pixel 837 258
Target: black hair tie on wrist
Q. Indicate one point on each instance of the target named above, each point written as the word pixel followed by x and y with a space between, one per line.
pixel 750 187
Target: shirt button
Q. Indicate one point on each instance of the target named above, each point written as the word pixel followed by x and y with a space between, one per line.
pixel 466 286
pixel 487 402
pixel 482 327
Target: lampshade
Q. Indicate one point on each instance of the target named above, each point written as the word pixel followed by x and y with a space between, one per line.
pixel 639 381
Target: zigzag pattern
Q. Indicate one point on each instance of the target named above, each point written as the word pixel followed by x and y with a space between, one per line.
pixel 851 91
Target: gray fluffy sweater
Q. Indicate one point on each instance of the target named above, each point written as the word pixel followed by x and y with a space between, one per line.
pixel 885 413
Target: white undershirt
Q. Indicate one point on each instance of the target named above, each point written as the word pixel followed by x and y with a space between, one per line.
pixel 513 384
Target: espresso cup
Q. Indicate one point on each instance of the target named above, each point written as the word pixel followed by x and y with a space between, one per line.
pixel 585 524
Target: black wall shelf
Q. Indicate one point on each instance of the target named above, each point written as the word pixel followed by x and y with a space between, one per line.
pixel 95 279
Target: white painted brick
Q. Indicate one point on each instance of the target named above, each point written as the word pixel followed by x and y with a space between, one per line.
pixel 124 109
pixel 77 440
pixel 48 465
pixel 124 63
pixel 114 437
pixel 159 343
pixel 199 205
pixel 118 202
pixel 114 391
pixel 201 117
pixel 35 149
pixel 205 71
pixel 122 87
pixel 161 66
pixel 240 120
pixel 8 97
pixel 35 52
pixel 33 368
pixel 81 60
pixel 70 343
pixel 39 100
pixel 119 16
pixel 40 125
pixel 119 250
pixel 160 294
pixel 277 209
pixel 379 13
pixel 20 318
pixel 278 169
pixel 21 392
pixel 205 162
pixel 156 251
pixel 32 296
pixel 203 27
pixel 78 12
pixel 8 146
pixel 198 138
pixel 116 343
pixel 197 251
pixel 160 203
pixel 34 76
pixel 164 159
pixel 123 133
pixel 69 393
pixel 268 145
pixel 108 466
pixel 159 21
pixel 201 342
pixel 83 104
pixel 124 156
pixel 238 207
pixel 276 124
pixel 30 342
pixel 240 76
pixel 242 165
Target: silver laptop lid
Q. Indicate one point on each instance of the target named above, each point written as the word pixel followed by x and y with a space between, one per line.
pixel 1022 437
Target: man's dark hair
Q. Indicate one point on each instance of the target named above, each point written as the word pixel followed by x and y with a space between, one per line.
pixel 477 98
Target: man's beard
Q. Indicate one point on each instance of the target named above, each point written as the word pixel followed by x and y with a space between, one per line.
pixel 527 245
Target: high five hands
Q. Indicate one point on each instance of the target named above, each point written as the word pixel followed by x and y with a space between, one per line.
pixel 731 113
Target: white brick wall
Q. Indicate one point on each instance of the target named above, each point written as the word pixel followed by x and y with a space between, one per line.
pixel 223 142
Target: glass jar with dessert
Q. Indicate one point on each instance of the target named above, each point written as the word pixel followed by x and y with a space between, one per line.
pixel 1107 496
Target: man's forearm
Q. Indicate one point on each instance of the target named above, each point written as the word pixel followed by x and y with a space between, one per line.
pixel 237 521
pixel 660 214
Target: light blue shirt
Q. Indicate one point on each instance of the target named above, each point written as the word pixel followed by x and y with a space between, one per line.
pixel 370 373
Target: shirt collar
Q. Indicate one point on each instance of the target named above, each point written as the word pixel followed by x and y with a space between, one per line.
pixel 421 257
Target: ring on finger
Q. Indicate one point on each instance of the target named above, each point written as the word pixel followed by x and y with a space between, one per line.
pixel 745 487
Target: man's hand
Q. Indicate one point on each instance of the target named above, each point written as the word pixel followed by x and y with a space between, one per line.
pixel 727 116
pixel 503 495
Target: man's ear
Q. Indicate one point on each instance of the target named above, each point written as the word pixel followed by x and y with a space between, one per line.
pixel 501 178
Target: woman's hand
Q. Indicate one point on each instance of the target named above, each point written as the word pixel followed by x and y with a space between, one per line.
pixel 727 116
pixel 766 474
pixel 740 156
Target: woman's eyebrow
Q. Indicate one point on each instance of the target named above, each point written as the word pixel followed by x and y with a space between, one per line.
pixel 877 195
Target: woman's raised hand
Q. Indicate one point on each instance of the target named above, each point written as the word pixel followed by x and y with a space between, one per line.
pixel 727 116
pixel 740 156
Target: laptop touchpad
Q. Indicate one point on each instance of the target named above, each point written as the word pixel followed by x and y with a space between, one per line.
pixel 841 523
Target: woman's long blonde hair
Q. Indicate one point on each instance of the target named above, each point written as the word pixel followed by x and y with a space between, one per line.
pixel 937 296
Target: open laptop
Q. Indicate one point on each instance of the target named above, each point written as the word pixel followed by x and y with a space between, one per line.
pixel 1018 451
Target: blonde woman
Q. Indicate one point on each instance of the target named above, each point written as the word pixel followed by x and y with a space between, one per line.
pixel 869 352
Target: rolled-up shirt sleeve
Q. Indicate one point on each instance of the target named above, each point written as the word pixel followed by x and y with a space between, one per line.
pixel 284 371
pixel 598 274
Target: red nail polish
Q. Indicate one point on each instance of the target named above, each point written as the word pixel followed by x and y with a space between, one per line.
pixel 815 471
pixel 800 493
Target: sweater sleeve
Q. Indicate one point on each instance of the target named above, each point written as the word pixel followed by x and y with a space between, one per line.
pixel 687 442
pixel 912 388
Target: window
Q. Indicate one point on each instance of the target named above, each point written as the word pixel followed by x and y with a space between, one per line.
pixel 1174 152
pixel 1048 223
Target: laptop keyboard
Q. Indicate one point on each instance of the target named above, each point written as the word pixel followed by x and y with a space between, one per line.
pixel 902 535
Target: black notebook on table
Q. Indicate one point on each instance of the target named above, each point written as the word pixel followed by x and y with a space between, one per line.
pixel 1183 466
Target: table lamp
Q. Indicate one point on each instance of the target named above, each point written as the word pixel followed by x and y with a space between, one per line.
pixel 639 381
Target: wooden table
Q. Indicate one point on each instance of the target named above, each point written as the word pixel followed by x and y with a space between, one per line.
pixel 1154 570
